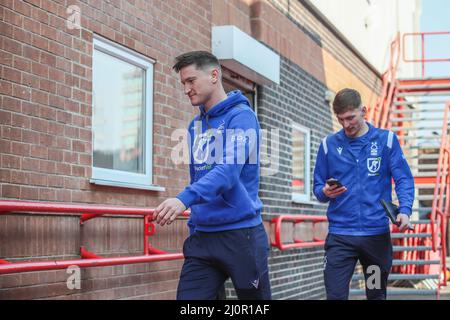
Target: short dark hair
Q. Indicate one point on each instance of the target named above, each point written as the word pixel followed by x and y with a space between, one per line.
pixel 201 60
pixel 345 100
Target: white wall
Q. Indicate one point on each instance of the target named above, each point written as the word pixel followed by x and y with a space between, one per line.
pixel 371 25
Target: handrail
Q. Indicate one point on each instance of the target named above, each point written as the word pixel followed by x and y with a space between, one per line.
pixel 18 267
pixel 385 105
pixel 380 118
pixel 440 178
pixel 423 59
pixel 380 113
pixel 296 219
pixel 373 114
pixel 440 208
pixel 88 259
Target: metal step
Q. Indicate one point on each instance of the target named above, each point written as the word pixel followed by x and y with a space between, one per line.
pixel 424 94
pixel 414 262
pixel 398 292
pixel 411 112
pixel 420 147
pixel 420 137
pixel 426 197
pixel 421 210
pixel 398 276
pixel 418 206
pixel 424 186
pixel 424 87
pixel 416 79
pixel 432 148
pixel 408 151
pixel 424 209
pixel 429 173
pixel 427 105
pixel 433 156
pixel 425 167
pixel 416 248
pixel 397 235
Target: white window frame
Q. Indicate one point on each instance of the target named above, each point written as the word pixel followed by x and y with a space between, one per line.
pixel 304 197
pixel 110 177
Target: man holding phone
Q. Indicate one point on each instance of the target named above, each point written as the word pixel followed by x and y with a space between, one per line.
pixel 354 171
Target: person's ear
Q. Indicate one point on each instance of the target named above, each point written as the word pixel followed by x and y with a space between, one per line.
pixel 364 110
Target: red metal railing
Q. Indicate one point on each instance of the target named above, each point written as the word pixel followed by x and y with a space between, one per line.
pixel 295 220
pixel 439 214
pixel 387 99
pixel 88 259
pixel 380 117
pixel 413 255
pixel 423 58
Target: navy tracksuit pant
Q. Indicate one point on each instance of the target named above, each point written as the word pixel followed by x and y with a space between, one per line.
pixel 213 257
pixel 341 255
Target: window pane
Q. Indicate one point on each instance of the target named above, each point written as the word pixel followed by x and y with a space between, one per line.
pixel 118 124
pixel 298 162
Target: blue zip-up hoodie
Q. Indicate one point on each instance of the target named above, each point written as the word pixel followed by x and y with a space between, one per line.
pixel 368 178
pixel 223 193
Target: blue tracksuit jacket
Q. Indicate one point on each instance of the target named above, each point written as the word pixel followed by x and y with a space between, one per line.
pixel 224 168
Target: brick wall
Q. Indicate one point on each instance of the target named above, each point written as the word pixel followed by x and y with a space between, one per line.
pixel 277 31
pixel 46 92
pixel 300 99
pixel 45 139
pixel 292 30
pixel 232 12
pixel 325 37
pixel 297 275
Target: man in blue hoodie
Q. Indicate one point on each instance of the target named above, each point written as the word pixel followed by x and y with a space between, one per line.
pixel 364 160
pixel 228 238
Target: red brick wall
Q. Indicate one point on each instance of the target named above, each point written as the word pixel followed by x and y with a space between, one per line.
pixel 232 12
pixel 45 128
pixel 272 27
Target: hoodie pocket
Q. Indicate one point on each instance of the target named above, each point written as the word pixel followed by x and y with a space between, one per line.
pixel 227 202
pixel 343 211
pixel 374 216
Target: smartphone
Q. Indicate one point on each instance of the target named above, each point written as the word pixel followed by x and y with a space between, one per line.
pixel 334 182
